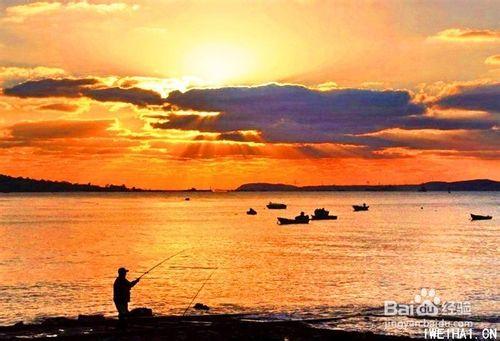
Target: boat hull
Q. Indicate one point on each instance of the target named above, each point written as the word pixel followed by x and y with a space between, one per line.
pixel 276 206
pixel 360 208
pixel 330 217
pixel 286 221
pixel 480 217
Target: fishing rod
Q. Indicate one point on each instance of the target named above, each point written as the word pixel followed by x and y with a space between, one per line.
pixel 163 261
pixel 208 278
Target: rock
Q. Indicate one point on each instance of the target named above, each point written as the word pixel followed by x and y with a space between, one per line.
pixel 141 312
pixel 19 324
pixel 57 321
pixel 91 318
pixel 201 306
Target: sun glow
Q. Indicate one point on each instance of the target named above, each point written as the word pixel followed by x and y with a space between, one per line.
pixel 219 64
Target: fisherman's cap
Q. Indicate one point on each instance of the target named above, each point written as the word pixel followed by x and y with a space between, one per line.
pixel 122 270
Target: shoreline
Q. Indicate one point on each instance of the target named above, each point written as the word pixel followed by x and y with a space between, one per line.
pixel 11 184
pixel 204 327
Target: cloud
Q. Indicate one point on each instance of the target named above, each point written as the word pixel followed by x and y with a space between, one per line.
pixel 65 139
pixel 327 86
pixel 51 88
pixel 20 13
pixel 493 60
pixel 371 119
pixel 429 122
pixel 372 85
pixel 233 136
pixel 60 107
pixel 85 87
pixel 101 8
pixel 18 74
pixel 203 148
pixel 242 136
pixel 467 35
pixel 481 97
pixel 137 96
pixel 433 139
pixel 74 138
pixel 290 113
pixel 59 129
pixel 429 93
pixel 275 114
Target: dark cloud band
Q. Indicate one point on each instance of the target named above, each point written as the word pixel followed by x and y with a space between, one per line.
pixel 484 97
pixel 87 87
pixel 297 114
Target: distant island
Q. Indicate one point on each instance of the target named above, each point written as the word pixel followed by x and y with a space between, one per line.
pixel 9 184
pixel 468 185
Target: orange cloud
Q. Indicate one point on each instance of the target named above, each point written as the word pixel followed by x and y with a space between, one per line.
pixel 59 129
pixel 20 13
pixel 432 92
pixel 60 107
pixel 434 139
pixel 13 73
pixel 493 60
pixel 460 35
pixel 217 150
pixel 17 14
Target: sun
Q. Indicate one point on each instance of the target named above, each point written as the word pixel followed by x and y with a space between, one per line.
pixel 220 63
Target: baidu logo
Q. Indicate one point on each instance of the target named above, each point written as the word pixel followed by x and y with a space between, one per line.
pixel 425 303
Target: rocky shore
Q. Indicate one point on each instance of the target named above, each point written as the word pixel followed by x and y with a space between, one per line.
pixel 209 327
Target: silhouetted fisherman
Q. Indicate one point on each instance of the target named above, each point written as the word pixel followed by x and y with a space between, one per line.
pixel 121 294
pixel 301 216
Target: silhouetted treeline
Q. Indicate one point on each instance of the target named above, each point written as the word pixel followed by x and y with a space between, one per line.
pixel 20 184
pixel 468 185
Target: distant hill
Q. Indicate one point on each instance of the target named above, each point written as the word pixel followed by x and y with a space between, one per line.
pixel 468 185
pixel 19 184
pixel 266 187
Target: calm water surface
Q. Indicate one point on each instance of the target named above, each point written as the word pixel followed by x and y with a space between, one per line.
pixel 59 253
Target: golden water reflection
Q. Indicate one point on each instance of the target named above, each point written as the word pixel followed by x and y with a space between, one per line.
pixel 60 253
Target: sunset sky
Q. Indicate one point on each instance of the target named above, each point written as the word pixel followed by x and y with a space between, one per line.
pixel 176 94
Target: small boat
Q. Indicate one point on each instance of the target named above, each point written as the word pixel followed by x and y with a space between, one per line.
pixel 251 211
pixel 322 214
pixel 358 208
pixel 187 199
pixel 480 217
pixel 300 219
pixel 286 221
pixel 276 206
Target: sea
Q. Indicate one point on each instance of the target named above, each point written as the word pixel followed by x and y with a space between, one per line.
pixel 59 254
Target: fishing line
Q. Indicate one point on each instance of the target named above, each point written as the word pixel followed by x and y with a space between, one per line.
pixel 205 282
pixel 163 261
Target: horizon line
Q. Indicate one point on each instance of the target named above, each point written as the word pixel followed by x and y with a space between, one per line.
pixel 213 189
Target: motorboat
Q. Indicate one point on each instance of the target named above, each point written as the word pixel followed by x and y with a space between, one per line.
pixel 358 208
pixel 322 214
pixel 276 206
